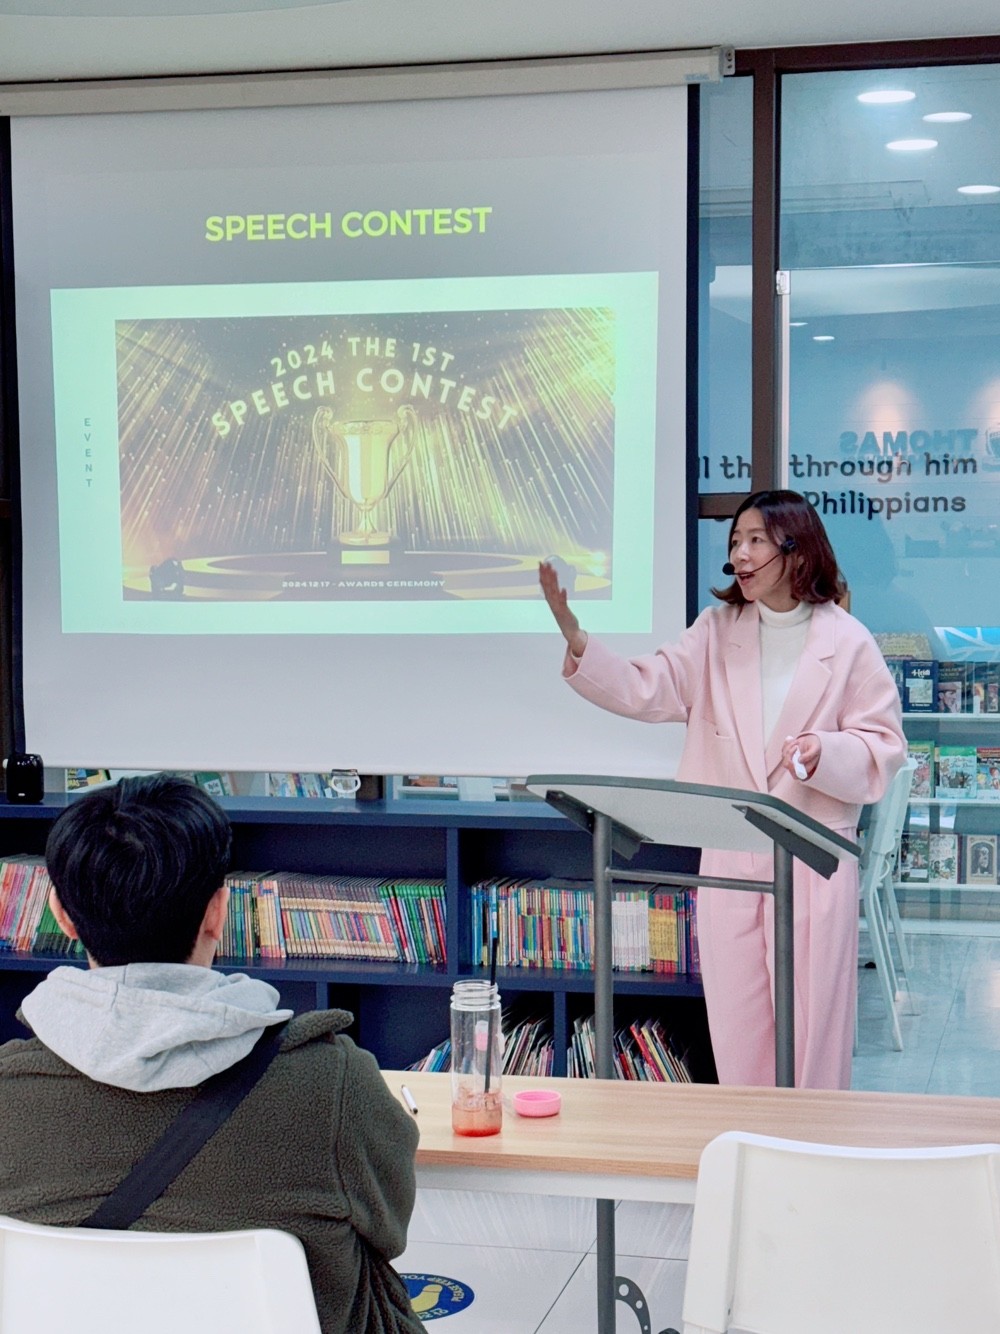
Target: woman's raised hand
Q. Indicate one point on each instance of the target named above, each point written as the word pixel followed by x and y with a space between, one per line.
pixel 559 606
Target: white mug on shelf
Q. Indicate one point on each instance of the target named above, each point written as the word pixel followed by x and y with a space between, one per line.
pixel 344 782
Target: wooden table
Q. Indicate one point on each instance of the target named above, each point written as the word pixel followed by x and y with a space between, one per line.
pixel 632 1141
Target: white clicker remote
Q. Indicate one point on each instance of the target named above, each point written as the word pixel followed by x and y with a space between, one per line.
pixel 797 765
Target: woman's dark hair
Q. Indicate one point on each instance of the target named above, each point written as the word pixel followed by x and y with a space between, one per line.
pixel 135 866
pixel 787 515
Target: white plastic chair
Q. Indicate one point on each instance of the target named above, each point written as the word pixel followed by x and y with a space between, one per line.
pixel 90 1281
pixel 878 897
pixel 791 1238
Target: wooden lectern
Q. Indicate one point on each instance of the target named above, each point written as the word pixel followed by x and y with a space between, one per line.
pixel 621 814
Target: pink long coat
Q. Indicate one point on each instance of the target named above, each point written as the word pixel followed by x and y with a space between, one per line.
pixel 843 693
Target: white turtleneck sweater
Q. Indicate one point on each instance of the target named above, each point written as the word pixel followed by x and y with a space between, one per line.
pixel 782 639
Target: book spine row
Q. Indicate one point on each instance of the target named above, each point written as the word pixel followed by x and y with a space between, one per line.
pixel 962 773
pixel 927 685
pixel 643 1050
pixel 286 915
pixel 550 924
pixel 527 1047
pixel 26 921
pixel 947 859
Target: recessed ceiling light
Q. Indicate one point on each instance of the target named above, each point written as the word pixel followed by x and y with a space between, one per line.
pixel 947 117
pixel 797 324
pixel 823 338
pixel 912 145
pixel 979 189
pixel 886 96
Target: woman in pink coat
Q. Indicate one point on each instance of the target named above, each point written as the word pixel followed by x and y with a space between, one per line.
pixel 779 677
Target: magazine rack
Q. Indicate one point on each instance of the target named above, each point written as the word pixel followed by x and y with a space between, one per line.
pixel 623 813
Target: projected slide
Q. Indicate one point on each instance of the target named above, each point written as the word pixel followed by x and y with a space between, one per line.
pixel 383 456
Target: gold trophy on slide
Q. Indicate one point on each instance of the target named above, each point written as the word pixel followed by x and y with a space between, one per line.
pixel 364 460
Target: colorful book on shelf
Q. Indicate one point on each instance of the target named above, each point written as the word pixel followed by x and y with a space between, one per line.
pixel 922 755
pixel 213 782
pixel 988 773
pixel 36 898
pixel 270 933
pixel 980 859
pixel 914 856
pixel 549 924
pixel 16 878
pixel 944 858
pixel 327 916
pixel 79 779
pixel 642 1051
pixel 665 1052
pixel 951 687
pixel 436 1060
pixel 956 772
pixel 12 886
pixel 417 909
pixel 580 1056
pixel 993 687
pixel 286 914
pixel 664 949
pixel 528 1047
pixel 694 956
pixel 51 939
pixel 976 686
pixel 920 678
pixel 630 930
pixel 27 925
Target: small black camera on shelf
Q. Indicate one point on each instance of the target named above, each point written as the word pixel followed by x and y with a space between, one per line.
pixel 25 778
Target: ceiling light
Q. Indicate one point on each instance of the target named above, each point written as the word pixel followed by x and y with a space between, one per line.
pixel 947 117
pixel 911 145
pixel 886 96
pixel 979 189
pixel 823 338
pixel 797 324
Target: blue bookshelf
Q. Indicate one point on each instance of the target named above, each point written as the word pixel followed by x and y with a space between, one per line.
pixel 401 1010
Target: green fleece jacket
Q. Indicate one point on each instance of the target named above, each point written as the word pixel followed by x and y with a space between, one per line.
pixel 319 1148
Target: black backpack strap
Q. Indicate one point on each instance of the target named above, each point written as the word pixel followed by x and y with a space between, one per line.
pixel 187 1134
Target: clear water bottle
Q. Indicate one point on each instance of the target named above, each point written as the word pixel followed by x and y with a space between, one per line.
pixel 476 1059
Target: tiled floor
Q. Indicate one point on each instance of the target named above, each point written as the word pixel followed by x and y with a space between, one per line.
pixel 526 1264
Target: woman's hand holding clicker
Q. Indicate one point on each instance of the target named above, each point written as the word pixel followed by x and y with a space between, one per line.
pixel 806 749
pixel 559 606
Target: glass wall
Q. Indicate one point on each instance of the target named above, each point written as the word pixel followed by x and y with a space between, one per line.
pixel 890 228
pixel 726 179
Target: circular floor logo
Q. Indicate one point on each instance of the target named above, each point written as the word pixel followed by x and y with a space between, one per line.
pixel 433 1296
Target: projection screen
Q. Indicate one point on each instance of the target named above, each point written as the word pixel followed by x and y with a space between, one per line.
pixel 306 393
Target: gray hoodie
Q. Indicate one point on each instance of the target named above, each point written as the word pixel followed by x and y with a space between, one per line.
pixel 150 1026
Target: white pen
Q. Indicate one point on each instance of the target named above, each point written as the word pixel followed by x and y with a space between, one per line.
pixel 408 1098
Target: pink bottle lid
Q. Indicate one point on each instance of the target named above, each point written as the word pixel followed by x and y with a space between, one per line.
pixel 537 1102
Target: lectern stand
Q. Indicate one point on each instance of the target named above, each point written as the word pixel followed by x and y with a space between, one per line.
pixel 623 813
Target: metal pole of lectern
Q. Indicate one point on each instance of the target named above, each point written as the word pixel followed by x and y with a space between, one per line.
pixel 784 970
pixel 604 1055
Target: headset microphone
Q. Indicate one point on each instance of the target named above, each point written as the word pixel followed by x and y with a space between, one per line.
pixel 783 550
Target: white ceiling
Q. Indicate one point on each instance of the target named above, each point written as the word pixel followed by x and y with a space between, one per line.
pixel 66 39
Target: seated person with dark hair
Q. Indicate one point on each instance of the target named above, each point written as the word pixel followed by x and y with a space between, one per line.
pixel 318 1148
